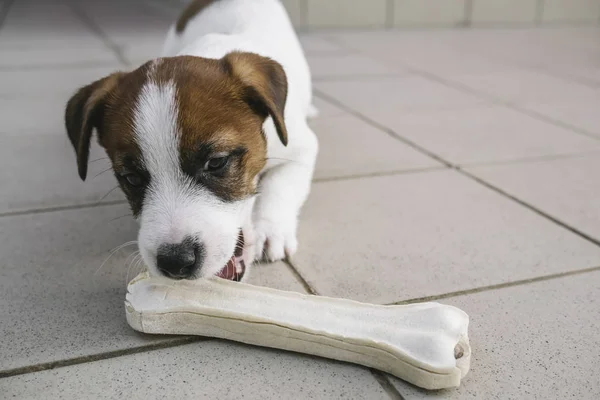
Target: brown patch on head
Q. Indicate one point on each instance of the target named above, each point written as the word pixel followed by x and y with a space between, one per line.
pixel 222 105
pixel 107 105
pixel 221 112
pixel 190 12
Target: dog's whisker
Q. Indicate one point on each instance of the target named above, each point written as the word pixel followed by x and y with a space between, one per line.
pixel 100 173
pixel 134 261
pixel 132 257
pixel 98 159
pixel 113 252
pixel 122 216
pixel 277 158
pixel 109 192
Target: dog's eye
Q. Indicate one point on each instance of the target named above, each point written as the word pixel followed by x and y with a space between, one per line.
pixel 216 163
pixel 133 179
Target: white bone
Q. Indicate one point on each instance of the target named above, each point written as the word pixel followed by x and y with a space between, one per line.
pixel 425 344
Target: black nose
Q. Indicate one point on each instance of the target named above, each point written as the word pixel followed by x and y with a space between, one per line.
pixel 179 261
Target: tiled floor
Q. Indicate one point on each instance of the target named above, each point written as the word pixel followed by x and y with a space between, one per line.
pixel 461 166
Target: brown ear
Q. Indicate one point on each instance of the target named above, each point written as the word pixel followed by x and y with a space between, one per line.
pixel 84 112
pixel 265 86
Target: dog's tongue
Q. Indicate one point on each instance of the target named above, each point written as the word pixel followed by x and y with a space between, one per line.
pixel 235 267
pixel 228 271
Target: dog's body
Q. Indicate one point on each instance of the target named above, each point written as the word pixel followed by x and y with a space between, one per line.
pixel 194 136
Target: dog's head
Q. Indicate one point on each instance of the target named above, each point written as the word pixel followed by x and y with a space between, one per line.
pixel 185 139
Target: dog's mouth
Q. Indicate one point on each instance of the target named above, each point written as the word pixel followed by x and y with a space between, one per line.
pixel 236 267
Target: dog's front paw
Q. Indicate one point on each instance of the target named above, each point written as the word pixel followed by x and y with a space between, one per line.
pixel 274 240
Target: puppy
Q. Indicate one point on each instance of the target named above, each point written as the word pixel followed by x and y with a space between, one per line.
pixel 209 143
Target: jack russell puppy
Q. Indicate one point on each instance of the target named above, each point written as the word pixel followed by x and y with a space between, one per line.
pixel 209 143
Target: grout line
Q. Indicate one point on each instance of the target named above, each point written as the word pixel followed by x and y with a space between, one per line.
pixel 377 174
pixel 531 207
pixel 468 14
pixel 389 15
pixel 379 126
pixel 303 15
pixel 483 95
pixel 43 210
pixel 60 67
pixel 94 28
pixel 379 376
pixel 299 277
pixel 387 386
pixel 532 159
pixel 101 356
pixel 497 286
pixel 539 11
pixel 358 77
pixel 4 12
pixel 501 102
pixel 457 168
pixel 61 208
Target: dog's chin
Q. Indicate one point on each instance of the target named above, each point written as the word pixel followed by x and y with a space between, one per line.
pixel 235 269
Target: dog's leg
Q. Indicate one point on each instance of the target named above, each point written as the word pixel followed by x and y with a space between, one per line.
pixel 283 190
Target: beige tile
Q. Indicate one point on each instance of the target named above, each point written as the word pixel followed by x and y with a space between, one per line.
pixel 325 109
pixel 206 370
pixel 537 341
pixel 391 94
pixel 40 171
pixel 393 238
pixel 583 115
pixel 316 44
pixel 571 10
pixel 567 188
pixel 53 58
pixel 63 290
pixel 350 65
pixel 296 11
pixel 525 86
pixel 349 146
pixel 501 11
pixel 442 52
pixel 429 12
pixel 55 85
pixel 487 134
pixel 346 13
pixel 275 275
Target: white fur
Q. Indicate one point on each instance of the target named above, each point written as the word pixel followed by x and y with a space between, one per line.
pixel 262 27
pixel 174 206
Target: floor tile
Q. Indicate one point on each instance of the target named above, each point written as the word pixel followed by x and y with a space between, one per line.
pixel 537 341
pixel 276 275
pixel 485 134
pixel 314 44
pixel 353 65
pixel 529 86
pixel 32 116
pixel 47 174
pixel 325 109
pixel 52 57
pixel 393 238
pixel 397 94
pixel 51 84
pixel 342 144
pixel 566 188
pixel 582 115
pixel 203 370
pixel 447 52
pixel 63 295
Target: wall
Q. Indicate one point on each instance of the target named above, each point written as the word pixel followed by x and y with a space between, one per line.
pixel 385 14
